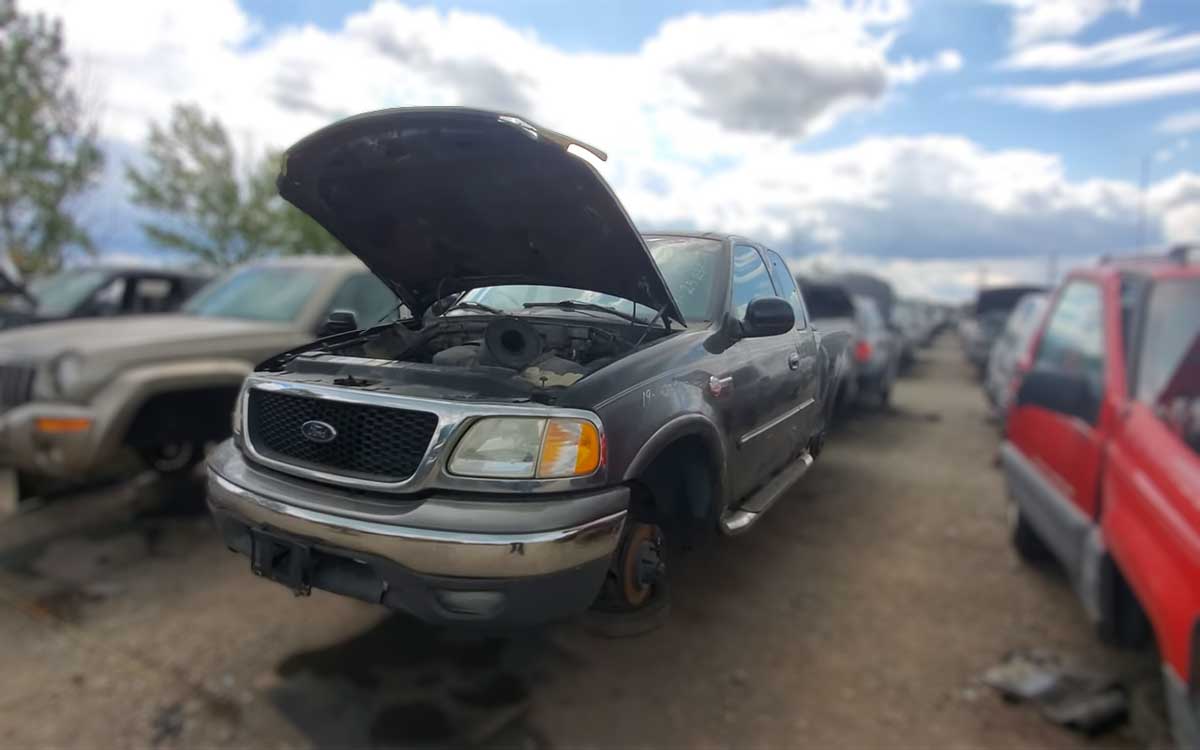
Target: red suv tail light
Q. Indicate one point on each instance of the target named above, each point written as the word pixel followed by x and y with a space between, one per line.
pixel 862 351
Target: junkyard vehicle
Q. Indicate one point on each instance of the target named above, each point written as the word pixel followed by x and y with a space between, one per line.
pixel 76 396
pixel 861 284
pixel 1008 350
pixel 567 393
pixel 100 291
pixel 831 309
pixel 1102 459
pixel 980 330
pixel 877 352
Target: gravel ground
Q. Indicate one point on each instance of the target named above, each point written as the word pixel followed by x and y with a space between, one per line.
pixel 860 612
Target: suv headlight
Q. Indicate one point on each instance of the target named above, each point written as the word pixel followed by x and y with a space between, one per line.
pixel 67 372
pixel 527 448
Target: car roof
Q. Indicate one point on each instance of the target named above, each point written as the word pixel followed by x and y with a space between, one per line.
pixel 1178 261
pixel 340 262
pixel 115 269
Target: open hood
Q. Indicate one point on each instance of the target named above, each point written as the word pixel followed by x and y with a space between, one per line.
pixel 440 200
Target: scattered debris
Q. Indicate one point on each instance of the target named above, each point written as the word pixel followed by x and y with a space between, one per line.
pixel 167 724
pixel 1024 676
pixel 1079 700
pixel 1089 713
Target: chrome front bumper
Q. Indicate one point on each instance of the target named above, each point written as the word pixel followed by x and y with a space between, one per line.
pixel 462 543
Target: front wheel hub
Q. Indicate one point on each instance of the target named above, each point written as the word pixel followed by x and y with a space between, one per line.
pixel 641 564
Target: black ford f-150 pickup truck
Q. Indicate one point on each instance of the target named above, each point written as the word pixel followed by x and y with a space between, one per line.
pixel 566 392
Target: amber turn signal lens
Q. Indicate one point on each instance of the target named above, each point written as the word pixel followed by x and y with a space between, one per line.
pixel 61 425
pixel 571 448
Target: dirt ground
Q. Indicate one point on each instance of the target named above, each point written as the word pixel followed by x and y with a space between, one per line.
pixel 861 612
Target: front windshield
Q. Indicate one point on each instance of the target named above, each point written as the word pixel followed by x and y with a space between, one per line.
pixel 269 293
pixel 63 292
pixel 687 264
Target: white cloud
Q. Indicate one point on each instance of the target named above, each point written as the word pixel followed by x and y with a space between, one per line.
pixel 1036 20
pixel 1176 201
pixel 1156 44
pixel 1180 122
pixel 681 155
pixel 1082 94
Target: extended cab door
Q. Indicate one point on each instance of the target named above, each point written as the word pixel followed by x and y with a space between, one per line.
pixel 760 410
pixel 805 366
pixel 1052 457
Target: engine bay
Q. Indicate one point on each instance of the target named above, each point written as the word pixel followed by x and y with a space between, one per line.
pixel 545 353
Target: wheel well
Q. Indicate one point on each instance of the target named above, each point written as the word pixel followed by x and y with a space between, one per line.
pixel 201 412
pixel 678 490
pixel 1125 622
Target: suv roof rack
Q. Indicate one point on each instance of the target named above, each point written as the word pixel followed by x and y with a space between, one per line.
pixel 1181 254
pixel 1184 254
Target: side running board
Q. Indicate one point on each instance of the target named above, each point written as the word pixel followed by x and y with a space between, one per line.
pixel 745 515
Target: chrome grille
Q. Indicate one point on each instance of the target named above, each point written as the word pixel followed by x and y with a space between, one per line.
pixel 379 443
pixel 16 385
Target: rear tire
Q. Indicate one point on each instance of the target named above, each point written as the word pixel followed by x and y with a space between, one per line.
pixel 1025 539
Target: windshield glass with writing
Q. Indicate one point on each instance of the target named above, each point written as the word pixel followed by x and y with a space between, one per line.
pixel 63 292
pixel 269 293
pixel 688 264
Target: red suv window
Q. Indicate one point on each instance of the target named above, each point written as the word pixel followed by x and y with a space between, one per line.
pixel 1073 341
pixel 1168 372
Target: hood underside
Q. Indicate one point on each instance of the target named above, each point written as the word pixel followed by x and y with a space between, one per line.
pixel 439 200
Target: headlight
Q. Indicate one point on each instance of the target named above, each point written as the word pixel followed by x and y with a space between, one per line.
pixel 525 448
pixel 67 372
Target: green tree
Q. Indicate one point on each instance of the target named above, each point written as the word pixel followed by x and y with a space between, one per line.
pixel 48 151
pixel 211 207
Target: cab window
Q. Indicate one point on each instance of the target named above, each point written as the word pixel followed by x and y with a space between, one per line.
pixel 787 287
pixel 750 279
pixel 1168 371
pixel 1073 342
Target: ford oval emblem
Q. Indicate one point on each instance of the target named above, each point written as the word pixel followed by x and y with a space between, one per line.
pixel 318 431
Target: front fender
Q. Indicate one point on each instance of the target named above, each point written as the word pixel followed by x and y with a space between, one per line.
pixel 119 401
pixel 684 425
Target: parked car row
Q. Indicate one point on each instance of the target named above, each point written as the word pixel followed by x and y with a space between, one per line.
pixel 514 401
pixel 1101 454
pixel 881 348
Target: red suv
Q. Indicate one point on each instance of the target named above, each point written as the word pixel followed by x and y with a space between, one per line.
pixel 1102 458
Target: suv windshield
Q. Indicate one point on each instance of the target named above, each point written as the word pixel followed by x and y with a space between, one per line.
pixel 270 293
pixel 61 293
pixel 688 265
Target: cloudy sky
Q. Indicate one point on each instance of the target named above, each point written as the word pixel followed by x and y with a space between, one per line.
pixel 938 142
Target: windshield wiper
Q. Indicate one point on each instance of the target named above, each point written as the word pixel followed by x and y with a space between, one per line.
pixel 468 304
pixel 570 304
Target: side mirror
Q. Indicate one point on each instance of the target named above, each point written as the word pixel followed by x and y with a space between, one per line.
pixel 768 316
pixel 1065 393
pixel 339 321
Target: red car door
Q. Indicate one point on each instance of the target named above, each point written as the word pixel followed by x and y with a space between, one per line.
pixel 1152 486
pixel 1053 458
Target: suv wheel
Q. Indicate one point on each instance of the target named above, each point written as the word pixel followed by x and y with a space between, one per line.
pixel 173 457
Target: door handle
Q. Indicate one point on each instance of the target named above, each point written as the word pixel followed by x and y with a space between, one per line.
pixel 794 361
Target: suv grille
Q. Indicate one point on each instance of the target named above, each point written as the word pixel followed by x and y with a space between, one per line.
pixel 379 443
pixel 16 385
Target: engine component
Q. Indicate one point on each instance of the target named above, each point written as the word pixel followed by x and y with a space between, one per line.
pixel 510 342
pixel 551 371
pixel 466 355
